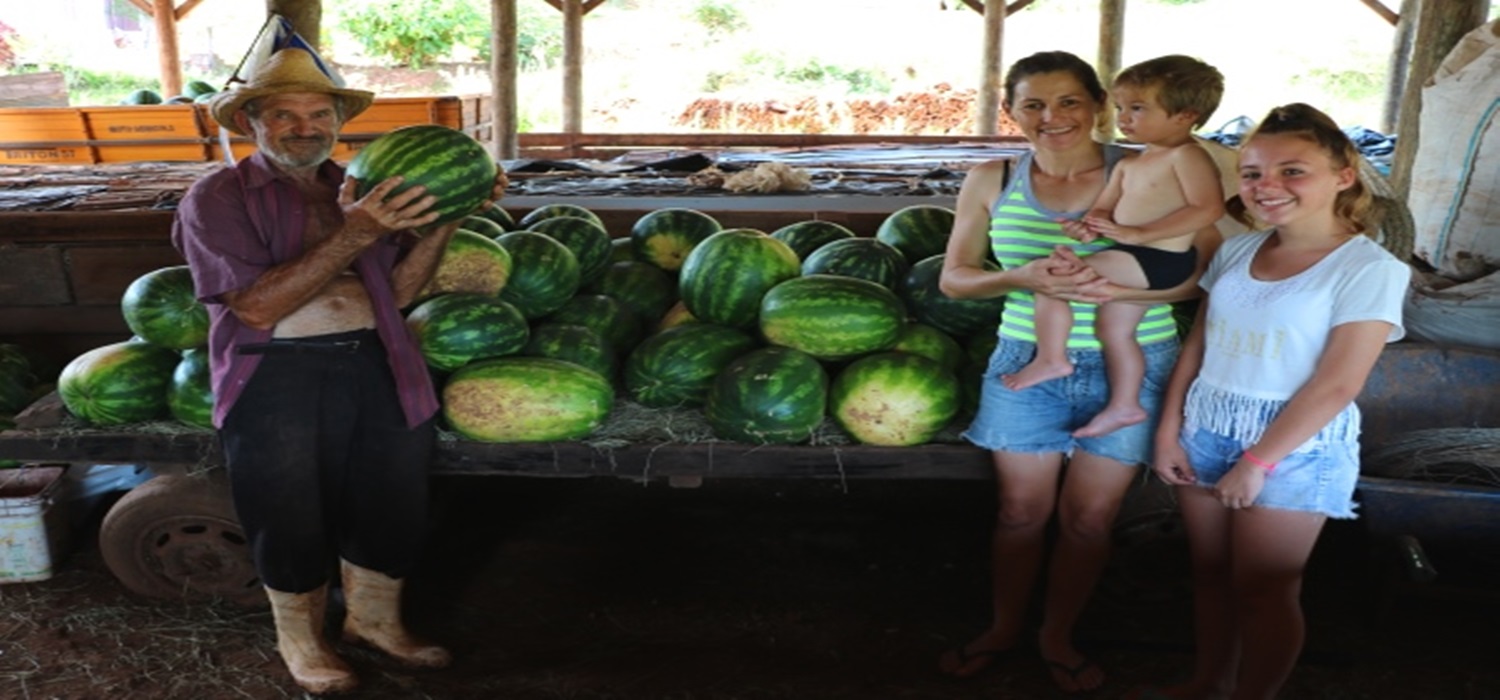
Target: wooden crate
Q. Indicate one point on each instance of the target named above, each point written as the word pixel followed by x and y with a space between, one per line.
pixel 44 136
pixel 130 133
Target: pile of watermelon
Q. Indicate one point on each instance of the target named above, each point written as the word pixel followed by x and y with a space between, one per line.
pixel 773 336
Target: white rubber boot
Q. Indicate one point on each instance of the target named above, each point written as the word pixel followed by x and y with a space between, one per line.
pixel 299 638
pixel 372 603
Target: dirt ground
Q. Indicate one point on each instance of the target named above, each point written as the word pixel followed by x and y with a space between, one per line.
pixel 770 589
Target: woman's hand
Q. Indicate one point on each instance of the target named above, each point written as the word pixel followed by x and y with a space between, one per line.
pixel 1241 485
pixel 1170 462
pixel 1063 275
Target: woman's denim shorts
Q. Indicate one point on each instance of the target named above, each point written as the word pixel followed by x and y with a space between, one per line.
pixel 1318 480
pixel 1041 419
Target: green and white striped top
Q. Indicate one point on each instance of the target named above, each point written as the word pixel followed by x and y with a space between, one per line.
pixel 1021 230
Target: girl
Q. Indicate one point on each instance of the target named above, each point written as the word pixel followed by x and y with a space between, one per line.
pixel 1259 431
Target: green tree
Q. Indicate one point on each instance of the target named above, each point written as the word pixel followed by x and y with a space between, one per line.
pixel 416 34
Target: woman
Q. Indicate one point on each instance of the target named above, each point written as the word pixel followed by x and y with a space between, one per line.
pixel 1057 100
pixel 1260 433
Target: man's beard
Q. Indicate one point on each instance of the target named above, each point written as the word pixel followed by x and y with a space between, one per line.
pixel 299 159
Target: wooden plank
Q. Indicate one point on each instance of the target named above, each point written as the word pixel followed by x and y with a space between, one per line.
pixel 64 320
pixel 33 276
pixel 100 275
pixel 49 89
pixel 84 227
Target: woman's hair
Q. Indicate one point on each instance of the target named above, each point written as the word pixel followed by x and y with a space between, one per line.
pixel 1054 62
pixel 1354 205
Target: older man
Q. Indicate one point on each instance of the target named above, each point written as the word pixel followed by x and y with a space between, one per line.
pixel 323 402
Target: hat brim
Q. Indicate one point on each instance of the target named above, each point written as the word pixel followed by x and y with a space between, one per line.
pixel 224 105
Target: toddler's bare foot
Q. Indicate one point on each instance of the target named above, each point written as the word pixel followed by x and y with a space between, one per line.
pixel 1110 420
pixel 1036 372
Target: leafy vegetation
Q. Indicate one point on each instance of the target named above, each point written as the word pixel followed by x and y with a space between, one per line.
pixel 7 52
pixel 719 18
pixel 415 34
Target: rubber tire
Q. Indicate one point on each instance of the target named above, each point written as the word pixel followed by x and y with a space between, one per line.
pixel 176 537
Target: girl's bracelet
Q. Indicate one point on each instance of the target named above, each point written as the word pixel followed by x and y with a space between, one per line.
pixel 1268 466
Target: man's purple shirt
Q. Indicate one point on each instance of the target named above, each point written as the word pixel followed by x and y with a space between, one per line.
pixel 239 222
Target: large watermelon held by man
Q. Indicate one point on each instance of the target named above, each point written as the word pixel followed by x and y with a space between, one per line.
pixel 454 168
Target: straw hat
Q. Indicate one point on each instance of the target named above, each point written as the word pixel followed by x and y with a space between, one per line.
pixel 287 70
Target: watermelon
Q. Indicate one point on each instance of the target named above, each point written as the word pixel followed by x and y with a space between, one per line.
pixel 548 211
pixel 804 237
pixel 454 168
pixel 483 226
pixel 893 398
pixel 933 344
pixel 726 275
pixel 119 383
pixel 498 215
pixel 864 258
pixel 471 263
pixel 142 96
pixel 162 308
pixel 959 318
pixel 198 88
pixel 16 379
pixel 614 320
pixel 544 273
pixel 665 237
pixel 832 317
pixel 677 366
pixel 574 343
pixel 455 329
pixel 588 241
pixel 768 395
pixel 526 399
pixel 622 250
pixel 645 288
pixel 919 231
pixel 190 397
pixel 678 315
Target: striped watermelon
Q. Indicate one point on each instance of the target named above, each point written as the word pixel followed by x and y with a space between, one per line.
pixel 933 344
pixel 864 258
pixel 588 241
pixel 622 250
pixel 959 318
pixel 832 317
pixel 190 397
pixel 678 315
pixel 548 211
pixel 162 308
pixel 471 263
pixel 919 231
pixel 499 216
pixel 526 399
pixel 726 275
pixel 665 237
pixel 769 395
pixel 804 237
pixel 17 379
pixel 449 163
pixel 544 273
pixel 483 226
pixel 119 383
pixel 677 366
pixel 573 343
pixel 618 324
pixel 893 398
pixel 645 288
pixel 455 329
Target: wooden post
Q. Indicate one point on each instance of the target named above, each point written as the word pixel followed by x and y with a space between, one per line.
pixel 1440 24
pixel 1111 38
pixel 573 66
pixel 504 122
pixel 166 49
pixel 306 17
pixel 1400 63
pixel 987 110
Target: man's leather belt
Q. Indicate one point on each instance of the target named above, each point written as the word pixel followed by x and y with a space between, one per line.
pixel 280 346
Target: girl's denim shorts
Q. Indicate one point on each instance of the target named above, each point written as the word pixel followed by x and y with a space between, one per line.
pixel 1040 419
pixel 1318 480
